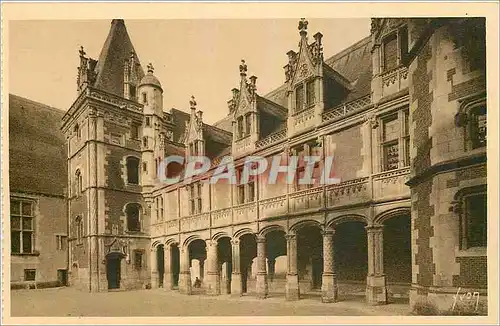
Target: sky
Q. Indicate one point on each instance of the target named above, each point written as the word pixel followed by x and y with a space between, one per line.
pixel 197 57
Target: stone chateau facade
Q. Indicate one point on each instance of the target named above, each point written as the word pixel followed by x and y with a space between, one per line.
pixel 403 111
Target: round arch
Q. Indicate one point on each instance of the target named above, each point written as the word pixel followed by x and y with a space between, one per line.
pixel 345 219
pixel 190 239
pixel 170 242
pixel 238 234
pixel 384 216
pixel 220 235
pixel 271 228
pixel 155 244
pixel 305 223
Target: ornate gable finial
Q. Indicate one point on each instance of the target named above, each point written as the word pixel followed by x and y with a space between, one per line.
pixel 151 69
pixel 303 26
pixel 192 103
pixel 243 68
pixel 82 52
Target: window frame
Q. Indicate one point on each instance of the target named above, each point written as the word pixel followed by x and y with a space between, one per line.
pixel 23 229
pixel 25 273
pixel 402 141
pixel 137 168
pixel 128 217
pixel 402 48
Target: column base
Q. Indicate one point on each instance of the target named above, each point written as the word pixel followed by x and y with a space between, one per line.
pixel 376 290
pixel 167 282
pixel 329 290
pixel 154 280
pixel 185 283
pixel 292 292
pixel 236 285
pixel 261 285
pixel 212 283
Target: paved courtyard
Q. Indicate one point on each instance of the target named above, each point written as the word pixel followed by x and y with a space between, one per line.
pixel 69 302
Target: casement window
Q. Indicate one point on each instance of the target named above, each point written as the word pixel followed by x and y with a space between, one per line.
pixel 134 131
pixel 299 98
pixel 195 198
pixel 132 170
pixel 394 49
pixel 77 131
pixel 30 274
pixel 248 124
pixel 138 259
pixel 310 93
pixel 133 212
pixel 21 224
pixel 245 191
pixel 79 229
pixel 78 183
pixel 395 141
pixel 471 206
pixel 308 149
pixel 61 242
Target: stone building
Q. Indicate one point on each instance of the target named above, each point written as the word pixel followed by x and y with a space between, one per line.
pixel 402 111
pixel 37 184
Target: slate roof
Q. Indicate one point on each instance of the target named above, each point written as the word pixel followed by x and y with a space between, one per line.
pixel 110 65
pixel 37 148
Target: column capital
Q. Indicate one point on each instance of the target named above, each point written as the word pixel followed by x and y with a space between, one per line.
pixel 328 232
pixel 235 242
pixel 374 228
pixel 260 239
pixel 291 237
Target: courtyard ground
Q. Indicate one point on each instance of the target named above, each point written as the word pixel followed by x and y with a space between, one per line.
pixel 69 302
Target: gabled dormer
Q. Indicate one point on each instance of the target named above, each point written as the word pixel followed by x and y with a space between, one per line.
pixel 243 108
pixel 308 79
pixel 193 140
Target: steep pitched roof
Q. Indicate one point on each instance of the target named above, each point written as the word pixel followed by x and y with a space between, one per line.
pixel 110 65
pixel 37 148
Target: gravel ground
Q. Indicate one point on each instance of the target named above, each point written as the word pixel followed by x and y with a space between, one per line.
pixel 69 302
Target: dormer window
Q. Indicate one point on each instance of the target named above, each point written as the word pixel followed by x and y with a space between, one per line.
pixel 310 93
pixel 248 124
pixel 394 49
pixel 240 127
pixel 132 92
pixel 299 98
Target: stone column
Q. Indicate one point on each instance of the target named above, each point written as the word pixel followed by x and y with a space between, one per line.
pixel 236 285
pixel 329 291
pixel 185 273
pixel 376 290
pixel 213 277
pixel 261 279
pixel 154 268
pixel 292 277
pixel 271 263
pixel 167 267
pixel 202 269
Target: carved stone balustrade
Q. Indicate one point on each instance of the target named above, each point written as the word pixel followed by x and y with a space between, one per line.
pixel 222 217
pixel 348 192
pixel 391 183
pixel 271 207
pixel 307 199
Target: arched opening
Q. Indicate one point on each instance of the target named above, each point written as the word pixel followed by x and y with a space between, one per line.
pixel 397 255
pixel 276 247
pixel 133 217
pixel 310 257
pixel 248 251
pixel 113 270
pixel 175 265
pixel 351 257
pixel 160 263
pixel 197 258
pixel 132 170
pixel 224 256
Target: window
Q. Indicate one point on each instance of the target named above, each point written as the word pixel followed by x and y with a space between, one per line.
pixel 145 167
pixel 471 204
pixel 133 217
pixel 245 192
pixel 161 207
pixel 77 131
pixel 21 223
pixel 78 183
pixel 248 124
pixel 134 132
pixel 241 194
pixel 79 229
pixel 61 242
pixel 132 170
pixel 195 198
pixel 30 274
pixel 148 121
pixel 240 127
pixel 138 259
pixel 158 208
pixel 477 127
pixel 145 142
pixel 132 92
pixel 299 98
pixel 310 93
pixel 395 141
pixel 251 190
pixel 144 98
pixel 390 52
